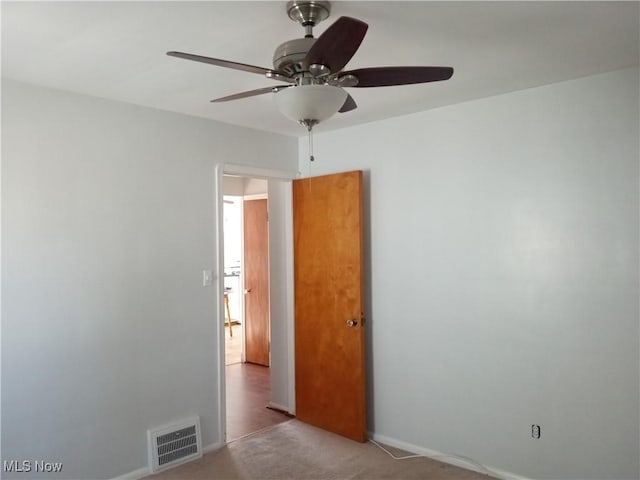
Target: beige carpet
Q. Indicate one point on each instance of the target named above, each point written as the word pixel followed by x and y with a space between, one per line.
pixel 296 451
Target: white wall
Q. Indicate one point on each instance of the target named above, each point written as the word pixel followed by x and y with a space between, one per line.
pixel 255 186
pixel 240 186
pixel 503 258
pixel 108 214
pixel 232 185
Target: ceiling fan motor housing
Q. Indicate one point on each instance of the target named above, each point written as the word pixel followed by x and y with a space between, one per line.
pixel 308 12
pixel 289 56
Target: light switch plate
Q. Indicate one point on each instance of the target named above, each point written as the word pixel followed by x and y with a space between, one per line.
pixel 207 278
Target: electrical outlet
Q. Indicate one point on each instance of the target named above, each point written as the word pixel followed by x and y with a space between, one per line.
pixel 535 431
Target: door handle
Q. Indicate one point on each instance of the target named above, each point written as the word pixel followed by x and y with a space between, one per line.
pixel 352 323
pixel 247 290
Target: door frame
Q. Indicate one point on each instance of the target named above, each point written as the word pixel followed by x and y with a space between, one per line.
pixel 281 223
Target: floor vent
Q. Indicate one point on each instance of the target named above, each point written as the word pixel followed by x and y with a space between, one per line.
pixel 174 444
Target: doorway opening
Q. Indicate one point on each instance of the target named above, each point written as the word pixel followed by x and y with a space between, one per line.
pixel 287 373
pixel 247 322
pixel 233 283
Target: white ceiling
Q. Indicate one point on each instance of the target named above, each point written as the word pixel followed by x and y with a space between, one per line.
pixel 116 50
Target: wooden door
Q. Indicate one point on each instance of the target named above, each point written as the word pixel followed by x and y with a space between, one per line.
pixel 329 333
pixel 256 282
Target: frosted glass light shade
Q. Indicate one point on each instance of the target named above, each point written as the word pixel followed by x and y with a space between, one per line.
pixel 310 102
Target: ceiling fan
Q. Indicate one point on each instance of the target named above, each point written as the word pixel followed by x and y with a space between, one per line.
pixel 312 68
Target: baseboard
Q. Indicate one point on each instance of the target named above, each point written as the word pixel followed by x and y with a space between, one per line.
pixel 212 447
pixel 135 475
pixel 451 459
pixel 280 408
pixel 144 472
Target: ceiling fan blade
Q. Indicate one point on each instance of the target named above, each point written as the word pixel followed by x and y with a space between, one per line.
pixel 250 93
pixel 337 44
pixel 235 65
pixel 348 105
pixel 388 76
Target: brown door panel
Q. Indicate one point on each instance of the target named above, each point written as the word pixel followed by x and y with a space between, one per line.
pixel 329 335
pixel 256 281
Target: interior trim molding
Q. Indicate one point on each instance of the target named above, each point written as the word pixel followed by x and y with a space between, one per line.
pixel 258 172
pixel 280 408
pixel 135 475
pixel 145 472
pixel 451 459
pixel 218 235
pixel 212 447
pixel 256 196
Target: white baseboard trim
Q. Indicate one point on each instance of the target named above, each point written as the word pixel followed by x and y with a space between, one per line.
pixel 457 460
pixel 144 472
pixel 282 408
pixel 135 475
pixel 212 447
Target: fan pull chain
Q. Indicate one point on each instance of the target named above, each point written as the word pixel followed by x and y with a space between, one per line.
pixel 311 157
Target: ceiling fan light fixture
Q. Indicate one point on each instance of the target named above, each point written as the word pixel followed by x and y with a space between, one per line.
pixel 310 103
